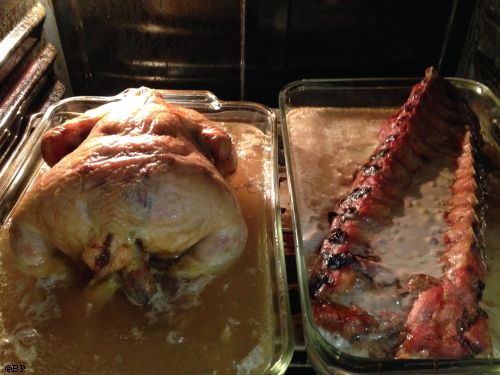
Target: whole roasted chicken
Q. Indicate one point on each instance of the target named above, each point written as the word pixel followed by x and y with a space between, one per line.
pixel 134 182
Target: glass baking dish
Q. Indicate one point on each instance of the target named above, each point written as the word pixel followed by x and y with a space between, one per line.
pixel 28 164
pixel 383 95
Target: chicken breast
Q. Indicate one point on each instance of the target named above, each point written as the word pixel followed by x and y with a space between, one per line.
pixel 131 180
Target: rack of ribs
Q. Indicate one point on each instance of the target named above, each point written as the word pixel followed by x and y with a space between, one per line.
pixel 439 316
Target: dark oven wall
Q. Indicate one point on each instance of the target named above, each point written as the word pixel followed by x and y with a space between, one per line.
pixel 249 49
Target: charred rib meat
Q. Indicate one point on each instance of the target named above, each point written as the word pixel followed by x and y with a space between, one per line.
pixel 439 317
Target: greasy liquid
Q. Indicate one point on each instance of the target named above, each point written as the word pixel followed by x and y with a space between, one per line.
pixel 351 134
pixel 225 329
pixel 411 244
pixel 414 241
pixel 328 145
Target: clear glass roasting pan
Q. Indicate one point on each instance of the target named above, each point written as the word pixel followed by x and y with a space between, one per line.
pixel 364 93
pixel 24 167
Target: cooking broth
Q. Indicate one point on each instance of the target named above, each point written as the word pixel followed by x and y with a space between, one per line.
pixel 227 328
pixel 328 146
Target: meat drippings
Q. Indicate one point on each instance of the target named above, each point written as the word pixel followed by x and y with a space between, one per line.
pixel 328 146
pixel 225 329
pixel 414 241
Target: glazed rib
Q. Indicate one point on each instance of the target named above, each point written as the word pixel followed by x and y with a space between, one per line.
pixel 433 124
pixel 445 321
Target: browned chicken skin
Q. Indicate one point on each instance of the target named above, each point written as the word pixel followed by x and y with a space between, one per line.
pixel 133 179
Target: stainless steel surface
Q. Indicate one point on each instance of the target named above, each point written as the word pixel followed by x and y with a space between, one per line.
pixel 11 13
pixel 19 135
pixel 253 47
pixel 19 40
pixel 159 44
pixel 480 58
pixel 51 35
pixel 29 84
pixel 26 123
pixel 57 92
pixel 26 72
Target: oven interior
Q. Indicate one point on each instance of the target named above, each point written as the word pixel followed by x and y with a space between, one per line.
pixel 239 50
